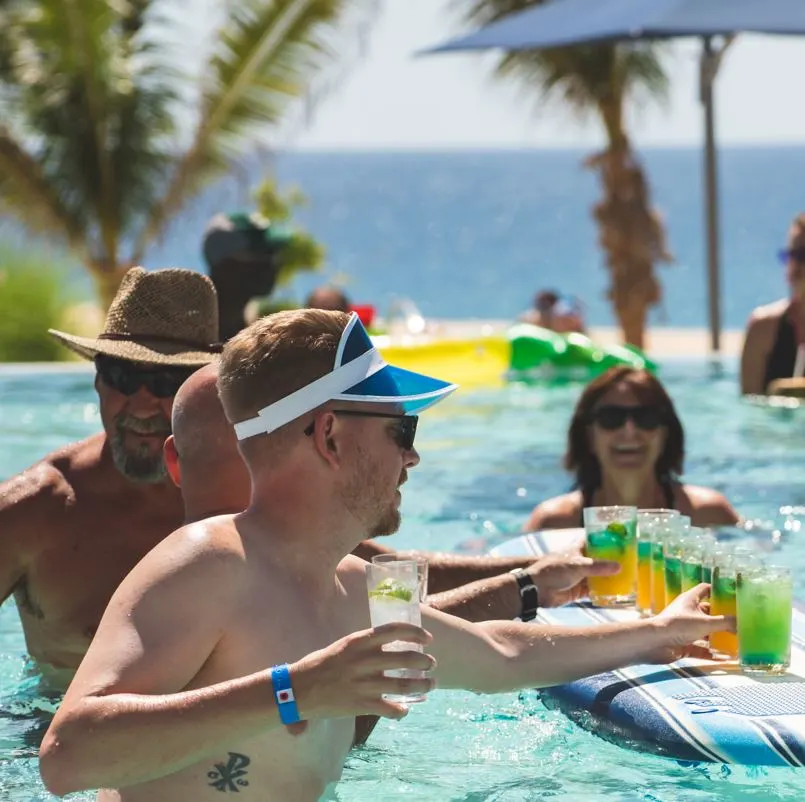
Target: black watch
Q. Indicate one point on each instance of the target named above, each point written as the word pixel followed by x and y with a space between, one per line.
pixel 529 595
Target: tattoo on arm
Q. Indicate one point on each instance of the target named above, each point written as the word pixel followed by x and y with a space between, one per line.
pixel 230 776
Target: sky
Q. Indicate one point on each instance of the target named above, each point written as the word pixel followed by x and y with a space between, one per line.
pixel 388 98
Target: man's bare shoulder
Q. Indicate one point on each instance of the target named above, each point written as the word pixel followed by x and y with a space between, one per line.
pixel 206 553
pixel 560 512
pixel 352 566
pixel 53 478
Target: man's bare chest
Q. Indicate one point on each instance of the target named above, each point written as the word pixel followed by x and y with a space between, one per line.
pixel 85 557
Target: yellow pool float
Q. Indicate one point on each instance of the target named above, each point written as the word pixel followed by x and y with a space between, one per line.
pixel 474 361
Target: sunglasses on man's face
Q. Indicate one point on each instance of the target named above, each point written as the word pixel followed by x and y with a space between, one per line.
pixel 404 431
pixel 612 417
pixel 128 377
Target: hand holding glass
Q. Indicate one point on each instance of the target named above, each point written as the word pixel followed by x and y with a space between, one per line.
pixel 395 589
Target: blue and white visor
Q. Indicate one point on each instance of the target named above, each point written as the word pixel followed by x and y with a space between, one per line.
pixel 359 374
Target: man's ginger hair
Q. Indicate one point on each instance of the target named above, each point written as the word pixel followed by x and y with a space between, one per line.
pixel 276 356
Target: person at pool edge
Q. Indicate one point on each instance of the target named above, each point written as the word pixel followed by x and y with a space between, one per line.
pixel 75 523
pixel 776 332
pixel 626 446
pixel 239 647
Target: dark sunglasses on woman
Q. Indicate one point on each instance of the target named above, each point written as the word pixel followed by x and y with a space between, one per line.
pixel 128 377
pixel 612 417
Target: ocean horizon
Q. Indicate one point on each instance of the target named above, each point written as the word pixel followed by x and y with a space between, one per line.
pixel 474 233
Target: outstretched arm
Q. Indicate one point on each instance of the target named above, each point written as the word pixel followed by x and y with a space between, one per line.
pixel 447 571
pixel 559 579
pixel 499 656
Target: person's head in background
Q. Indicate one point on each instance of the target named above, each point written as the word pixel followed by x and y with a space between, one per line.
pixel 330 298
pixel 202 454
pixel 545 301
pixel 161 327
pixel 794 257
pixel 625 431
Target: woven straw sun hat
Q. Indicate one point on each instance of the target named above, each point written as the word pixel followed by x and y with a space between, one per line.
pixel 160 317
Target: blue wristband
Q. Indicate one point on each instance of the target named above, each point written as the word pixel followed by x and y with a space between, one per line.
pixel 283 694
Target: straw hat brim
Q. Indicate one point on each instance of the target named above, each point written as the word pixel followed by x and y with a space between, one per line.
pixel 168 354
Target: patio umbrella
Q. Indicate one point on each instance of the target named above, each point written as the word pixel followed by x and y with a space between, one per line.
pixel 561 23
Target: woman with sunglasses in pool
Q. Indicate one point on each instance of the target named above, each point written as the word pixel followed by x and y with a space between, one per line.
pixel 775 336
pixel 626 446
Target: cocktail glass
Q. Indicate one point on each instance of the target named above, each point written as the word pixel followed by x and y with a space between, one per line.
pixel 695 550
pixel 723 599
pixel 765 602
pixel 650 523
pixel 421 568
pixel 395 588
pixel 674 544
pixel 611 534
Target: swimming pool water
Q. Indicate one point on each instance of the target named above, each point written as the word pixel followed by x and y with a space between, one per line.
pixel 487 458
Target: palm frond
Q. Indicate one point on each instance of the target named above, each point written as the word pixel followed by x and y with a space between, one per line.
pixel 264 59
pixel 581 77
pixel 90 100
pixel 26 192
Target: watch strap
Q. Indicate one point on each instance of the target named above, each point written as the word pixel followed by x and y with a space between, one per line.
pixel 529 595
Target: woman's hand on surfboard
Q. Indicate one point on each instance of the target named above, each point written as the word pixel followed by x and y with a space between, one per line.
pixel 685 621
pixel 563 578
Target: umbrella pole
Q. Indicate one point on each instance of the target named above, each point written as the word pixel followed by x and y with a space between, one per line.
pixel 709 66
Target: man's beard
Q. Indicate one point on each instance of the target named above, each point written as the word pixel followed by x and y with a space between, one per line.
pixel 141 465
pixel 367 500
pixel 387 524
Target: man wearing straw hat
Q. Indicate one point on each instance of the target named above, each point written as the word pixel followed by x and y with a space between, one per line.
pixel 75 523
pixel 236 655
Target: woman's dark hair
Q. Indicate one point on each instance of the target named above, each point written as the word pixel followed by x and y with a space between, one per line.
pixel 579 458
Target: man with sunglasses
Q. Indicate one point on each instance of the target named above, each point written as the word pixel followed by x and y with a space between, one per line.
pixel 773 356
pixel 236 655
pixel 202 458
pixel 75 523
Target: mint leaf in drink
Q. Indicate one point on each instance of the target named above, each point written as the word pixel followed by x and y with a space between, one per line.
pixel 618 529
pixel 391 589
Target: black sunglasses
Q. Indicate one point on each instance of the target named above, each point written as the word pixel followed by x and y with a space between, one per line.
pixel 128 377
pixel 404 431
pixel 613 416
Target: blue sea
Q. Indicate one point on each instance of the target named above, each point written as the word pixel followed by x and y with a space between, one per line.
pixel 476 234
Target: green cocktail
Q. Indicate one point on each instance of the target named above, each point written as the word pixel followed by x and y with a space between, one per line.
pixel 656 524
pixel 723 602
pixel 673 567
pixel 691 575
pixel 695 552
pixel 612 535
pixel 657 577
pixel 644 547
pixel 765 600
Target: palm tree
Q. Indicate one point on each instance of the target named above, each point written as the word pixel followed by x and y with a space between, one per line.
pixel 601 80
pixel 94 146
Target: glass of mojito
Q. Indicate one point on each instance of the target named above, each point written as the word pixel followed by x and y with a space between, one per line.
pixel 395 588
pixel 765 601
pixel 649 525
pixel 656 524
pixel 611 534
pixel 421 568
